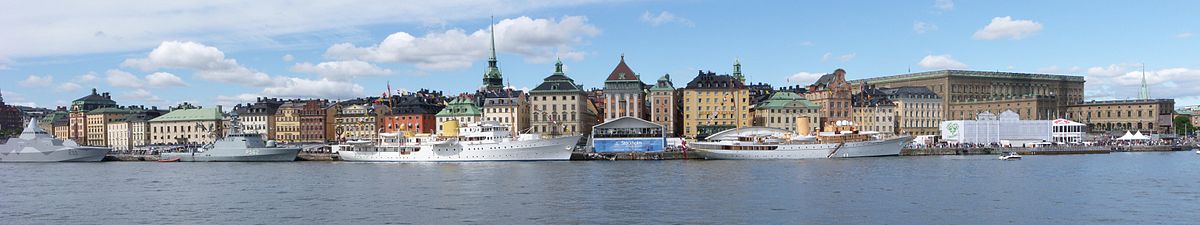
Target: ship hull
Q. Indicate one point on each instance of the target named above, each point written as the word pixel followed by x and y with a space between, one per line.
pixel 247 155
pixel 888 147
pixel 80 154
pixel 552 149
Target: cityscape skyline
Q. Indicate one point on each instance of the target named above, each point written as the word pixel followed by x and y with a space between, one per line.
pixel 226 63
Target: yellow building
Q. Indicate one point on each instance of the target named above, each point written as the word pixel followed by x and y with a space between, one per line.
pixel 188 125
pixel 287 122
pixel 97 124
pixel 712 103
pixel 1118 116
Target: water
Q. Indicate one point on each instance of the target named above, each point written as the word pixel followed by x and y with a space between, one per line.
pixel 1118 188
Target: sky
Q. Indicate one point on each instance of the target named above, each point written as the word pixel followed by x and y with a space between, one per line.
pixel 162 53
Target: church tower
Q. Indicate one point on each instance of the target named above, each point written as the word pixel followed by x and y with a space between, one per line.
pixel 492 79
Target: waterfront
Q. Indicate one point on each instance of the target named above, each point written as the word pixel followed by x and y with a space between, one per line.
pixel 1117 188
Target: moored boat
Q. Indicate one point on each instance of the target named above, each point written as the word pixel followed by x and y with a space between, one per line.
pixel 487 141
pixel 774 143
pixel 36 145
pixel 236 147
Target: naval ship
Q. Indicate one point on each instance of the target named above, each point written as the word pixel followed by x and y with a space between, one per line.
pixel 486 141
pixel 774 143
pixel 35 145
pixel 235 147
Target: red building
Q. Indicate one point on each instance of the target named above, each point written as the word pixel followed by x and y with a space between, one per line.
pixel 415 113
pixel 313 126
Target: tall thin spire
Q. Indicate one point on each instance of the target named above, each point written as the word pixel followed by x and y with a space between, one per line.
pixel 492 79
pixel 1145 92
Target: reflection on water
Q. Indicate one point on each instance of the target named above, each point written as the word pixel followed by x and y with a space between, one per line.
pixel 1118 188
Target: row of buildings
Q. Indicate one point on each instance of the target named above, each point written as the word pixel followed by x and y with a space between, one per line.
pixel 913 104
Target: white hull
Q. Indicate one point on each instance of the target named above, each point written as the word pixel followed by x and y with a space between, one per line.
pixel 888 147
pixel 533 150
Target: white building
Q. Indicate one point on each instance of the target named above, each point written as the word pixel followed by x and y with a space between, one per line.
pixel 1067 131
pixel 987 128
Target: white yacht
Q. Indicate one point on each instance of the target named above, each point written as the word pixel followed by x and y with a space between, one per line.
pixel 487 141
pixel 1010 156
pixel 35 145
pixel 774 143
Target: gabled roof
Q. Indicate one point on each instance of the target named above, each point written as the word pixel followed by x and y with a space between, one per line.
pixel 785 99
pixel 622 72
pixel 663 84
pixel 462 106
pixel 96 98
pixel 190 115
pixel 711 80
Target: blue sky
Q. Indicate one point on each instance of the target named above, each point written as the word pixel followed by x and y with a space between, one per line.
pixel 217 52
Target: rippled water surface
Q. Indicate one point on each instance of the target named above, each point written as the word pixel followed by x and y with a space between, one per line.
pixel 1118 188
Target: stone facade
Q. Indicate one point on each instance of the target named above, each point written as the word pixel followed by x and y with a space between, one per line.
pixel 559 106
pixel 918 110
pixel 187 125
pixel 355 121
pixel 1027 107
pixel 461 109
pixel 258 117
pixel 712 103
pixel 414 112
pixel 1146 115
pixel 78 117
pixel 831 92
pixel 508 107
pixel 873 110
pixel 788 111
pixel 287 122
pixel 981 86
pixel 665 107
pixel 624 93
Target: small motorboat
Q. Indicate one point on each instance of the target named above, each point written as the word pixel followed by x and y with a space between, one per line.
pixel 1010 156
pixel 175 159
pixel 1197 151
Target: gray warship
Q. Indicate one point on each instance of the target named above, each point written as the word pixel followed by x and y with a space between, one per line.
pixel 235 147
pixel 35 145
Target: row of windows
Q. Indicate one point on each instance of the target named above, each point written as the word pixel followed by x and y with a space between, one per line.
pixel 553 98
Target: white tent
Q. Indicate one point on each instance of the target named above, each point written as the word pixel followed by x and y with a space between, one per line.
pixel 1139 136
pixel 1127 136
pixel 1131 137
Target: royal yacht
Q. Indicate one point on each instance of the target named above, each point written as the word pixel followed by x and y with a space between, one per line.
pixel 774 143
pixel 487 141
pixel 35 145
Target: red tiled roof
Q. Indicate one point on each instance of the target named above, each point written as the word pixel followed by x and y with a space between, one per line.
pixel 622 68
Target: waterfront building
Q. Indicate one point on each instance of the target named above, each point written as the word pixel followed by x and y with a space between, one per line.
pixel 130 131
pixel 985 87
pixel 918 109
pixel 713 103
pixel 12 120
pixel 873 110
pixel 413 113
pixel 831 92
pixel 187 124
pixel 62 127
pixel 287 121
pixel 624 93
pixel 47 122
pixel 628 134
pixel 665 107
pixel 788 111
pixel 1007 129
pixel 461 109
pixel 1067 131
pixel 355 120
pixel 258 117
pixel 1036 107
pixel 559 106
pixel 316 121
pixel 97 123
pixel 596 97
pixel 78 115
pixel 1118 116
pixel 507 107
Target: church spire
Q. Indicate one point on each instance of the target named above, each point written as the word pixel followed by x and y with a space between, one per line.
pixel 737 70
pixel 492 79
pixel 492 60
pixel 1145 92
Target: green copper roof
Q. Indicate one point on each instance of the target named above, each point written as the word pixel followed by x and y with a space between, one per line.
pixel 190 115
pixel 112 110
pixel 460 107
pixel 785 99
pixel 663 84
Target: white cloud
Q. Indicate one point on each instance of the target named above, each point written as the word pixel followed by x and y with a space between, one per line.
pixel 87 77
pixel 1123 81
pixel 941 62
pixel 1184 35
pixel 341 70
pixel 804 78
pixel 67 87
pixel 230 101
pixel 164 79
pixel 306 88
pixel 830 56
pixel 921 27
pixel 4 62
pixel 209 63
pixel 536 39
pixel 14 98
pixel 665 17
pixel 117 78
pixel 92 27
pixel 288 58
pixel 1006 27
pixel 944 5
pixel 37 81
pixel 144 96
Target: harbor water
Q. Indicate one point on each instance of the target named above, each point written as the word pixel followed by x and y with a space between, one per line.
pixel 1117 188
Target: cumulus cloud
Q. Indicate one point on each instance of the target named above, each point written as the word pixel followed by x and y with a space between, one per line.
pixel 308 88
pixel 288 58
pixel 1123 81
pixel 941 62
pixel 37 81
pixel 665 17
pixel 127 26
pixel 87 77
pixel 118 78
pixel 1184 35
pixel 230 101
pixel 804 77
pixel 67 87
pixel 944 5
pixel 1007 28
pixel 209 63
pixel 144 96
pixel 921 27
pixel 842 58
pixel 341 70
pixel 163 79
pixel 536 39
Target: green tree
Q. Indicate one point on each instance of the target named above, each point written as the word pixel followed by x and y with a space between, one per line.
pixel 1183 125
